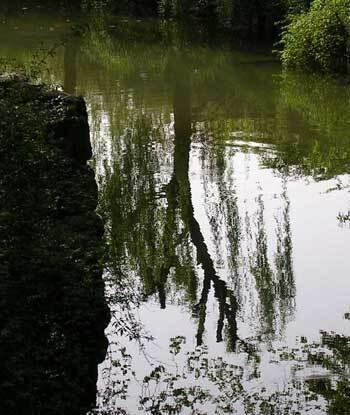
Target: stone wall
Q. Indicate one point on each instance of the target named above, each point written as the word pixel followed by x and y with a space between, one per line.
pixel 52 307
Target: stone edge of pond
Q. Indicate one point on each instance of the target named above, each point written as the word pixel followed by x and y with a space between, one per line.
pixel 61 246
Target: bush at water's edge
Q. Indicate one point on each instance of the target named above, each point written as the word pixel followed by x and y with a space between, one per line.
pixel 319 39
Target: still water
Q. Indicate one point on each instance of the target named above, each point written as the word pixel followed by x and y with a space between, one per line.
pixel 224 185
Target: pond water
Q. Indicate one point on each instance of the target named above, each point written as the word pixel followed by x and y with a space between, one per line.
pixel 224 184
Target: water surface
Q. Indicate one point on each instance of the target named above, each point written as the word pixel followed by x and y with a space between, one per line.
pixel 224 184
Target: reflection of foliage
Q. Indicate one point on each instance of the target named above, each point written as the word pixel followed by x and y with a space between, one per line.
pixel 150 214
pixel 321 149
pixel 141 227
pixel 166 392
pixel 285 283
pixel 116 374
pixel 224 209
pixel 37 65
pixel 304 117
pixel 200 384
pixel 336 392
pixel 262 271
pixel 146 196
pixel 159 244
pixel 275 286
pixel 344 217
pixel 155 216
pixel 39 61
pixel 339 361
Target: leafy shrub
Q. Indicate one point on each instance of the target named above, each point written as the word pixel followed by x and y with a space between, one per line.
pixel 320 38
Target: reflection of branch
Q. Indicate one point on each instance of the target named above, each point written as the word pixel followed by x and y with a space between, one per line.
pixel 169 255
pixel 202 307
pixel 227 310
pixel 182 115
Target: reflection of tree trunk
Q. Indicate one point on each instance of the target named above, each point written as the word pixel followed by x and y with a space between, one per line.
pixel 182 115
pixel 161 286
pixel 70 66
pixel 168 249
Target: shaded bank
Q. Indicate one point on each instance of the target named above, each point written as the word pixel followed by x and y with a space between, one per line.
pixel 217 20
pixel 52 306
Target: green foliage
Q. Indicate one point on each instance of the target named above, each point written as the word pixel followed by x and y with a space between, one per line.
pixel 297 6
pixel 318 40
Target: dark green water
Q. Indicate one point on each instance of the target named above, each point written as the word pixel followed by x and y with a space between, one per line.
pixel 225 189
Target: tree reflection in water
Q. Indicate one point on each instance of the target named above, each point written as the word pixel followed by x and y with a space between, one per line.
pixel 153 228
pixel 154 231
pixel 226 301
pixel 155 234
